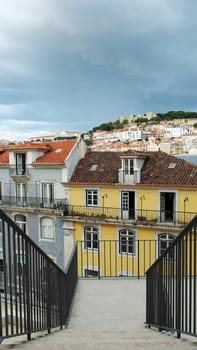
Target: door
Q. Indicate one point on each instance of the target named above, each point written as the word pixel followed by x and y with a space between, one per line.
pixel 128 205
pixel 21 194
pixel 47 195
pixel 167 206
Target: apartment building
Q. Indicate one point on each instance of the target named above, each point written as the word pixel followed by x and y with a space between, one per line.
pixel 32 193
pixel 117 200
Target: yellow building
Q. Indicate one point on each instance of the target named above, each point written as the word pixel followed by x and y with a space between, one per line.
pixel 125 209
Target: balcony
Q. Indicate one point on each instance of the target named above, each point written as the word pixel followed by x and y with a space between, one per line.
pixel 126 178
pixel 14 171
pixel 33 202
pixel 137 216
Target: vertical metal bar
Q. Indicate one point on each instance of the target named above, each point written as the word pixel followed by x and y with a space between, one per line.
pixel 110 260
pixel 186 282
pixel 10 260
pixel 144 258
pixel 81 252
pixel 27 270
pixel 116 257
pixel 190 280
pixel 194 280
pixel 99 267
pixel 138 260
pixel 183 281
pixel 178 291
pixel 16 261
pixel 48 297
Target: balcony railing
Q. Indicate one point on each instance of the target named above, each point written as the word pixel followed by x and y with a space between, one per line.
pixel 138 215
pixel 36 294
pixel 18 171
pixel 33 202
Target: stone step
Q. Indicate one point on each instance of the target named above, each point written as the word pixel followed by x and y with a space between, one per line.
pixel 69 339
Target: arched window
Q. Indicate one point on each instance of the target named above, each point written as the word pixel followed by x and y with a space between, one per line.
pixel 20 220
pixel 91 237
pixel 46 228
pixel 164 240
pixel 127 241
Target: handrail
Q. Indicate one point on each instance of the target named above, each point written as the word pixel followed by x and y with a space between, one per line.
pixel 35 293
pixel 171 299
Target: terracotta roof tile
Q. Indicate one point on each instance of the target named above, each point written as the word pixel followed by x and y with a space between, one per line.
pixel 55 152
pixel 59 151
pixel 4 157
pixel 159 169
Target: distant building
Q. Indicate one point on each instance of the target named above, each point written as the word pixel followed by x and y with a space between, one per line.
pixel 32 193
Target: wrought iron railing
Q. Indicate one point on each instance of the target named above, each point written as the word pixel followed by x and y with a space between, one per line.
pixel 35 293
pixel 135 215
pixel 116 258
pixel 33 202
pixel 19 170
pixel 171 302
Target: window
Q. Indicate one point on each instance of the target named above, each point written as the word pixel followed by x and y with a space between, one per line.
pixel 92 198
pixel 20 164
pixel 128 166
pixel 126 242
pixel 21 194
pixel 91 237
pixel 46 228
pixel 47 195
pixel 165 240
pixel 91 273
pixel 20 220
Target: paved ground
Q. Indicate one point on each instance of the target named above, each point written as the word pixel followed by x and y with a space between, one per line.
pixel 106 315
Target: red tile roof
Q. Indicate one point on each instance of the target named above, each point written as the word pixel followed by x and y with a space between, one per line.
pixel 159 169
pixel 58 152
pixel 55 152
pixel 4 156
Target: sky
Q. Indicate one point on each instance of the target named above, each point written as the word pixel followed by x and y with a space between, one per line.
pixel 74 64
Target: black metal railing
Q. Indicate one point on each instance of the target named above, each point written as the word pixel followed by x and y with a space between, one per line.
pixel 33 202
pixel 171 301
pixel 35 293
pixel 116 258
pixel 136 215
pixel 19 170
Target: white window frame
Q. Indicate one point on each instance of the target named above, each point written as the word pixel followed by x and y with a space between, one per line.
pixel 91 268
pixel 167 240
pixel 90 231
pixel 127 235
pixel 21 224
pixel 92 192
pixel 128 166
pixel 21 193
pixel 48 237
pixel 47 194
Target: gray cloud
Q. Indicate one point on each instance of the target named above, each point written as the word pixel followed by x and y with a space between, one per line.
pixel 74 64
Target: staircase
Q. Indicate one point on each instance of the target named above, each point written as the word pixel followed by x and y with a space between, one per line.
pixel 107 314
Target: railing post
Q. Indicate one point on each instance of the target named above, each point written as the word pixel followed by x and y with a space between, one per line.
pixel 27 275
pixel 99 271
pixel 48 299
pixel 138 259
pixel 178 289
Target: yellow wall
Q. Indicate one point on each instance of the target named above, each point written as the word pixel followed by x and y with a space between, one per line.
pixel 109 261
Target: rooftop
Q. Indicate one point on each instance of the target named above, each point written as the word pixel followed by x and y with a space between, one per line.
pixel 159 169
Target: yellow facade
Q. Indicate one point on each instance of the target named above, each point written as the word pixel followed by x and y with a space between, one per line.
pixel 146 225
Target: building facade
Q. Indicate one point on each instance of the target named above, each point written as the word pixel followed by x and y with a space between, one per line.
pixel 125 209
pixel 31 190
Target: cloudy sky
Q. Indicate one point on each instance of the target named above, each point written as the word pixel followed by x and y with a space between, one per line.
pixel 74 64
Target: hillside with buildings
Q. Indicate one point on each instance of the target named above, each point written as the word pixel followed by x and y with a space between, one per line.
pixel 173 132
